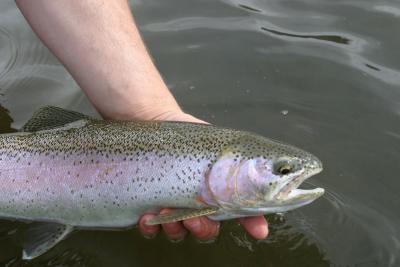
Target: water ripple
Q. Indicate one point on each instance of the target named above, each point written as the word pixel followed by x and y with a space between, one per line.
pixel 351 43
pixel 388 9
pixel 8 52
pixel 249 8
pixel 384 74
pixel 344 212
pixel 324 37
pixel 191 23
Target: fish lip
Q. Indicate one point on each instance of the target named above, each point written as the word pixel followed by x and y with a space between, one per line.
pixel 293 184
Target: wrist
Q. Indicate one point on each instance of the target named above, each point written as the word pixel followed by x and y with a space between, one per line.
pixel 131 109
pixel 154 111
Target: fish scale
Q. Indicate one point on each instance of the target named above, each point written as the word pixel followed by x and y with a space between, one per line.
pixel 65 170
pixel 100 171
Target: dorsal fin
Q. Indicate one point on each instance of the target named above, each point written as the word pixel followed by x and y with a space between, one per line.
pixel 50 117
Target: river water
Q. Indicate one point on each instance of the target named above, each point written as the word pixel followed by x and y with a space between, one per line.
pixel 322 75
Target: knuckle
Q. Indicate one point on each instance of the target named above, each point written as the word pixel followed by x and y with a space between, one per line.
pixel 148 230
pixel 205 232
pixel 174 231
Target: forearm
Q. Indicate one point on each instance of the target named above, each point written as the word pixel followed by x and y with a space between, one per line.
pixel 99 44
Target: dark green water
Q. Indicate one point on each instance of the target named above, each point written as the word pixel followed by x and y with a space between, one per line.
pixel 334 66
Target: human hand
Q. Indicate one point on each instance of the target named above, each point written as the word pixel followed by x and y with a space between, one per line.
pixel 201 227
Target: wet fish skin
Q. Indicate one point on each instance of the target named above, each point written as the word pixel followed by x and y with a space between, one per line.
pixel 105 174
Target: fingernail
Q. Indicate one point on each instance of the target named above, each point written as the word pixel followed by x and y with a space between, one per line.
pixel 149 236
pixel 207 241
pixel 176 240
pixel 261 232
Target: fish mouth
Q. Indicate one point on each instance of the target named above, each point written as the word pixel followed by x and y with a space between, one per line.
pixel 290 194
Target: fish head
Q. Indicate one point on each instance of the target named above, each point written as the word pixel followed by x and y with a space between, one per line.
pixel 256 175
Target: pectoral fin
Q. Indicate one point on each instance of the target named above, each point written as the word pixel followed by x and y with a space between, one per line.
pixel 181 214
pixel 41 237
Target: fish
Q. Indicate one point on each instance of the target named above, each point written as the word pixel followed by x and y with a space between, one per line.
pixel 64 171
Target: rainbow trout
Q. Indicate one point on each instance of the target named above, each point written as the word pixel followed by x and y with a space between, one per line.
pixel 65 170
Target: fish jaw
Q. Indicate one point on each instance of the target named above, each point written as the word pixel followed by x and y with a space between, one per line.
pixel 290 194
pixel 300 197
pixel 295 199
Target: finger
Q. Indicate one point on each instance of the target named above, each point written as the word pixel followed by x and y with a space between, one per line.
pixel 175 230
pixel 256 226
pixel 202 228
pixel 148 231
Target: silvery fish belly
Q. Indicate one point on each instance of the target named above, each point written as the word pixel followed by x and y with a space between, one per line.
pixel 66 170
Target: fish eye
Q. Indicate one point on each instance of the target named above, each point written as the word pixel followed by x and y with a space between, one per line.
pixel 284 169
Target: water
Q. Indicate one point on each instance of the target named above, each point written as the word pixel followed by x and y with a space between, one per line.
pixel 323 75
